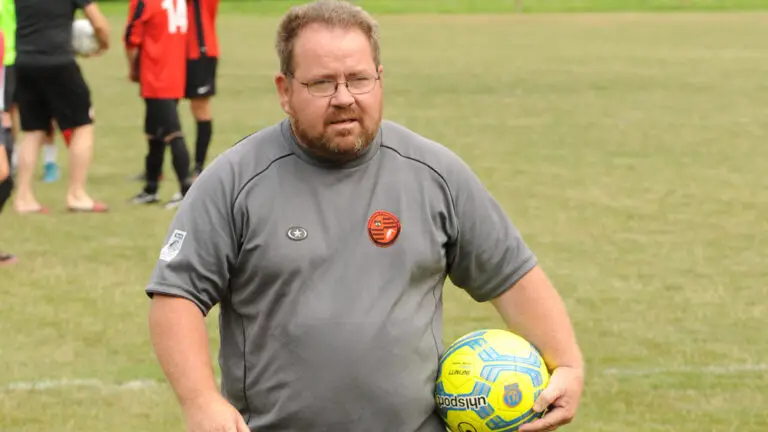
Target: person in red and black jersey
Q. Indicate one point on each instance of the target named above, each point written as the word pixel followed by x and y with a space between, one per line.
pixel 156 41
pixel 202 60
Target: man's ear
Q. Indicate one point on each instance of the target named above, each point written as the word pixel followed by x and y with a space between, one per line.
pixel 283 86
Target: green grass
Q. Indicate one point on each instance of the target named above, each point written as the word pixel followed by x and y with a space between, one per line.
pixel 629 149
pixel 277 7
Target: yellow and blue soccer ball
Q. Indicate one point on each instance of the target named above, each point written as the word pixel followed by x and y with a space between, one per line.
pixel 488 381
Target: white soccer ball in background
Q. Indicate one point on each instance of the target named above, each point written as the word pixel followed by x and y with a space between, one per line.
pixel 84 39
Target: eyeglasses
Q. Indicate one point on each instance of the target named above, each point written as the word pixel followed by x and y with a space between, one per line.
pixel 357 85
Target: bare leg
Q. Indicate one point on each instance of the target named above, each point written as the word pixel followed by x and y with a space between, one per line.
pixel 29 148
pixel 80 155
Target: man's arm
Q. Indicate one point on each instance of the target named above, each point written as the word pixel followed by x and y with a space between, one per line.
pixel 191 275
pixel 490 260
pixel 180 340
pixel 179 337
pixel 533 309
pixel 100 25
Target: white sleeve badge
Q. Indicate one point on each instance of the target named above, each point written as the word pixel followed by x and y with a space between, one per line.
pixel 172 248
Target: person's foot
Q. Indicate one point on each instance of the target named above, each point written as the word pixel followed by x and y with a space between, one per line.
pixel 93 207
pixel 83 203
pixel 7 259
pixel 175 201
pixel 28 207
pixel 145 198
pixel 50 172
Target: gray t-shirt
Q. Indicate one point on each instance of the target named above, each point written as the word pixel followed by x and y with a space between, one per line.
pixel 330 278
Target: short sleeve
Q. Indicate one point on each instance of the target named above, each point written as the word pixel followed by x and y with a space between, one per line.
pixel 487 254
pixel 134 29
pixel 201 245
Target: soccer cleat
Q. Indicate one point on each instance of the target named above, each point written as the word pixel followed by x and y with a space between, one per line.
pixel 145 198
pixel 175 201
pixel 196 171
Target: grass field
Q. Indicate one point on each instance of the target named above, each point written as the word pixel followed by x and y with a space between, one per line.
pixel 273 7
pixel 629 149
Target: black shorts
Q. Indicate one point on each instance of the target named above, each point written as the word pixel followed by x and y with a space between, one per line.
pixel 9 87
pixel 52 92
pixel 161 118
pixel 201 77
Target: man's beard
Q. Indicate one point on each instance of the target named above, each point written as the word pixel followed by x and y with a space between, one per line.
pixel 326 143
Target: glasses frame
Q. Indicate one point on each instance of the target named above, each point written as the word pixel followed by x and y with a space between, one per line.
pixel 336 87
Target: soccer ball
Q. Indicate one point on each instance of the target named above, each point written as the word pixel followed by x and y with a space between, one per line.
pixel 84 37
pixel 488 381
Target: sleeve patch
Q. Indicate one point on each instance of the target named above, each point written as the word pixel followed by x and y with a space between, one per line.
pixel 172 248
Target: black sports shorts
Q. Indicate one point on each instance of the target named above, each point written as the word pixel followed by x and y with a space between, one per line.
pixel 52 92
pixel 201 77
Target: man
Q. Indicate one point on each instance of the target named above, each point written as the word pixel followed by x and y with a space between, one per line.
pixel 50 87
pixel 155 42
pixel 326 240
pixel 202 59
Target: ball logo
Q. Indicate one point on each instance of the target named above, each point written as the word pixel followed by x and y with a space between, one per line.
pixel 462 402
pixel 383 228
pixel 512 395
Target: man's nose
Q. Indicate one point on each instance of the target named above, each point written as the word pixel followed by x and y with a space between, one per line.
pixel 342 98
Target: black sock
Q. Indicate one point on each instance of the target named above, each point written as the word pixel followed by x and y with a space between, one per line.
pixel 8 136
pixel 8 140
pixel 181 162
pixel 204 132
pixel 6 187
pixel 154 165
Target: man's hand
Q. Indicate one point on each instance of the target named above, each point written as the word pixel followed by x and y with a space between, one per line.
pixel 213 414
pixel 561 398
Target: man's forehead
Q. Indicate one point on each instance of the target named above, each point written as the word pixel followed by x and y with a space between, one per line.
pixel 318 44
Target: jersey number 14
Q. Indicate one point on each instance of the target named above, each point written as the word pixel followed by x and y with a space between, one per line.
pixel 177 15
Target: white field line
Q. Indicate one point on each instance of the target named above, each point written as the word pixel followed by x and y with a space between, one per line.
pixel 695 370
pixel 148 383
pixel 70 383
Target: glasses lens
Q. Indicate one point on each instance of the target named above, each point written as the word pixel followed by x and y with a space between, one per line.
pixel 361 85
pixel 322 88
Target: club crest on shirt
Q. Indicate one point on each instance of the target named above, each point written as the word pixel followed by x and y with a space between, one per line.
pixel 296 233
pixel 172 248
pixel 383 228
